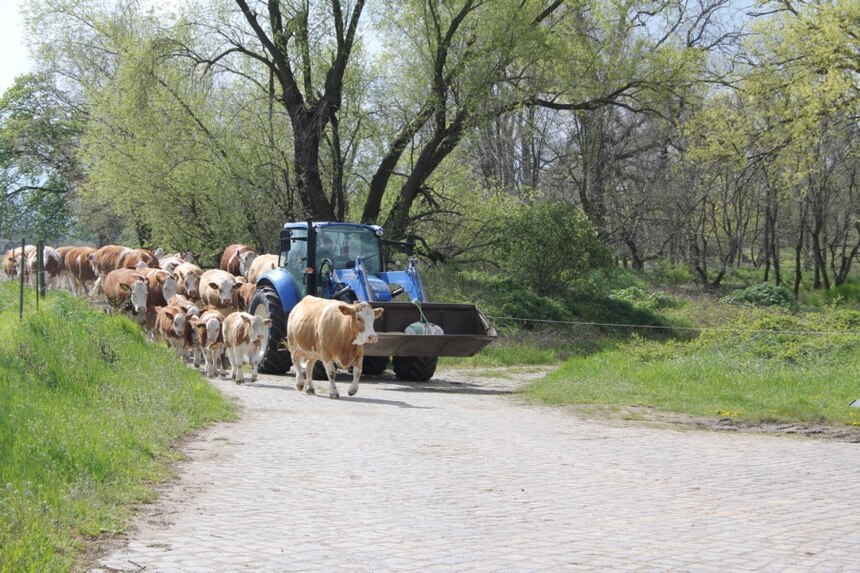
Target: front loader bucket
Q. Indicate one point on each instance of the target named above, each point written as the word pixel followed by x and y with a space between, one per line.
pixel 466 330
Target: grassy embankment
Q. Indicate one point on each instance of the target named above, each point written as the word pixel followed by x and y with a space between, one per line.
pixel 724 372
pixel 88 412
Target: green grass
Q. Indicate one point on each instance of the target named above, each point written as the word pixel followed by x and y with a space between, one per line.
pixel 533 348
pixel 753 377
pixel 88 412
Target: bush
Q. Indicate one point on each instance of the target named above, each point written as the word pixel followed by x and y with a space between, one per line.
pixel 547 246
pixel 674 274
pixel 784 337
pixel 762 294
pixel 641 298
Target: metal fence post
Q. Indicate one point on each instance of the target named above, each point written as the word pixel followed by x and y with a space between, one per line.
pixel 21 299
pixel 40 274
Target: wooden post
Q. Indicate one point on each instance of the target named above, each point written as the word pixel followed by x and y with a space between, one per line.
pixel 21 300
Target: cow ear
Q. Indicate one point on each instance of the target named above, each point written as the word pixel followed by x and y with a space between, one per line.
pixel 160 278
pixel 267 321
pixel 377 312
pixel 215 286
pixel 245 317
pixel 124 287
pixel 347 310
pixel 175 275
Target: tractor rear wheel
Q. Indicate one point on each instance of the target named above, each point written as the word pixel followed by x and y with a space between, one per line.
pixel 415 368
pixel 275 357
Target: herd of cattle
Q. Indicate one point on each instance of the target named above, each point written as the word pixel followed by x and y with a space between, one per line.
pixel 201 313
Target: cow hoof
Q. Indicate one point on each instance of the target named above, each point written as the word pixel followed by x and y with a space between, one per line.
pixel 310 390
pixel 352 392
pixel 334 396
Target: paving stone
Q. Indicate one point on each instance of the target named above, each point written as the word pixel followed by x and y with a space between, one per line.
pixel 456 474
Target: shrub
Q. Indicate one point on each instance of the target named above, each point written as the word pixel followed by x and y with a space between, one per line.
pixel 641 298
pixel 547 246
pixel 762 294
pixel 674 274
pixel 785 337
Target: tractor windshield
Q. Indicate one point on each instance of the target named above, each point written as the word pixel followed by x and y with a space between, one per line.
pixel 343 244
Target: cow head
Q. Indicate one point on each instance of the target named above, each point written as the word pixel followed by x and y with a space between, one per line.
pixel 225 290
pixel 169 287
pixel 189 283
pixel 138 292
pixel 245 260
pixel 258 327
pixel 363 316
pixel 179 324
pixel 212 329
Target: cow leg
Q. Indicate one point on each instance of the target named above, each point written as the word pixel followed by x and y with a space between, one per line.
pixel 300 372
pixel 309 376
pixel 252 359
pixel 238 360
pixel 356 374
pixel 330 371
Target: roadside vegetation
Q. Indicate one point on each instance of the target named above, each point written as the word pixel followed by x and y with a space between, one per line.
pixel 751 362
pixel 88 413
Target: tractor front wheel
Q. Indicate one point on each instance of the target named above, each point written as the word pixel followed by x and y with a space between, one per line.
pixel 374 365
pixel 415 368
pixel 275 357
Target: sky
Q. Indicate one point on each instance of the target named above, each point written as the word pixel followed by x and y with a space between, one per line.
pixel 14 58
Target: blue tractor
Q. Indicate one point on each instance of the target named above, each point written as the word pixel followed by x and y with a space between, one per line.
pixel 345 261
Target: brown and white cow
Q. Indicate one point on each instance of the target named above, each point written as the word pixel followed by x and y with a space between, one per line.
pixel 186 304
pixel 80 274
pixel 52 265
pixel 126 290
pixel 105 259
pixel 210 337
pixel 161 287
pixel 12 261
pixel 244 337
pixel 261 265
pixel 237 259
pixel 216 288
pixel 187 276
pixel 136 259
pixel 244 294
pixel 171 324
pixel 333 333
pixel 9 264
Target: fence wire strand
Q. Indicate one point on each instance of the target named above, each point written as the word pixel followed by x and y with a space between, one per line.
pixel 692 328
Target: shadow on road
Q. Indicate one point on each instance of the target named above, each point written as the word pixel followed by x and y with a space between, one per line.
pixel 447 387
pixel 323 393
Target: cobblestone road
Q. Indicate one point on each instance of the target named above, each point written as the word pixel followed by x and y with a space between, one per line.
pixel 456 475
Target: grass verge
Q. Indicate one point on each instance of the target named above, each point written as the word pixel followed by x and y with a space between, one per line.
pixel 748 376
pixel 88 412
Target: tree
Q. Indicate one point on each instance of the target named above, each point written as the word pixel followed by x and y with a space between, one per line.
pixel 39 171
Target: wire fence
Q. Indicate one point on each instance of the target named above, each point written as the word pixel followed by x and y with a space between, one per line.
pixel 30 267
pixel 41 290
pixel 683 328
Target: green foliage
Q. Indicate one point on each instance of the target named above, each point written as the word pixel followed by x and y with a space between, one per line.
pixel 672 274
pixel 88 412
pixel 762 294
pixel 638 297
pixel 781 376
pixel 780 336
pixel 847 294
pixel 546 246
pixel 38 167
